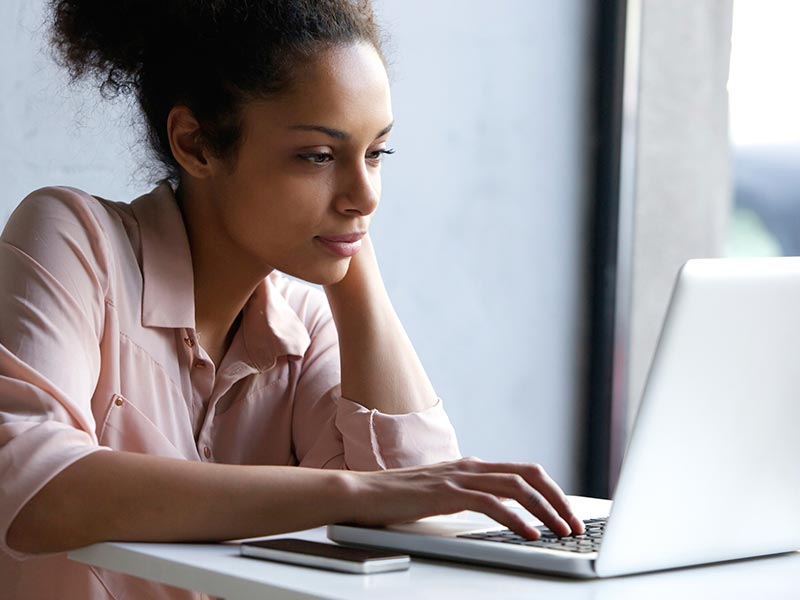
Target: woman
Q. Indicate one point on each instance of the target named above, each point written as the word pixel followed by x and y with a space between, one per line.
pixel 160 380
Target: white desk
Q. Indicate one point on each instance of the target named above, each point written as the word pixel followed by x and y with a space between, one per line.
pixel 217 569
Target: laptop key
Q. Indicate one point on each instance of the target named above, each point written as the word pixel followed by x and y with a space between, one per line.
pixel 585 543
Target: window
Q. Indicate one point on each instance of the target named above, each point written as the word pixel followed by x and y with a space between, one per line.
pixel 764 94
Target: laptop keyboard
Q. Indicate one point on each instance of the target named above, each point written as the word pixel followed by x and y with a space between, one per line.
pixel 588 542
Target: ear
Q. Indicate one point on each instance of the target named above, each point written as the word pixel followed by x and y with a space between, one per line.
pixel 183 131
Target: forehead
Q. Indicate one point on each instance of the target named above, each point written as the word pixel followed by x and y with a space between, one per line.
pixel 344 87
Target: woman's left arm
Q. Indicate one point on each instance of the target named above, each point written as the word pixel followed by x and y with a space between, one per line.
pixel 380 369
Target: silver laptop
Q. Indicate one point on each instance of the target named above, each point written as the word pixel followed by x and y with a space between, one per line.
pixel 712 468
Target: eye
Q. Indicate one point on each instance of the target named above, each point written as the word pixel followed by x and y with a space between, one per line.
pixel 375 155
pixel 317 158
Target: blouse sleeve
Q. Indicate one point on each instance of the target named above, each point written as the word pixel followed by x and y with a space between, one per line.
pixel 52 295
pixel 330 431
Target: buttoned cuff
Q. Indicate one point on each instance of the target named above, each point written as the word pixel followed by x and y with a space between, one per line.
pixel 374 440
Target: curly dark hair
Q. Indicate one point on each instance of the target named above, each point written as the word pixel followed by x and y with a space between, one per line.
pixel 209 55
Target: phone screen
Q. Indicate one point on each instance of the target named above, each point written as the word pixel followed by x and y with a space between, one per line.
pixel 324 550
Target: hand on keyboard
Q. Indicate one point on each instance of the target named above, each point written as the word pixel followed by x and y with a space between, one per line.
pixel 584 543
pixel 407 494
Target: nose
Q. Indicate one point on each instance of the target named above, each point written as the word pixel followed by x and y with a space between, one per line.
pixel 359 192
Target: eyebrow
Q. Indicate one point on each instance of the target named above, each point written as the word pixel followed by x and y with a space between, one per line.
pixel 337 133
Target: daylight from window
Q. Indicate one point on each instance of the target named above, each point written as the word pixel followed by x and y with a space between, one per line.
pixel 764 97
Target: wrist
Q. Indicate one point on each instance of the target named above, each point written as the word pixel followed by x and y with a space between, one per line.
pixel 349 493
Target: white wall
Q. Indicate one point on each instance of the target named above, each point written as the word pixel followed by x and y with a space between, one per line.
pixel 482 231
pixel 51 134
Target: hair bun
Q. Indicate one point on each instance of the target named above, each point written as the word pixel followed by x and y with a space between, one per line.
pixel 209 55
pixel 109 39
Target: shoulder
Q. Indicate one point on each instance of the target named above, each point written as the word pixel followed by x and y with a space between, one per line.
pixel 61 206
pixel 54 223
pixel 56 199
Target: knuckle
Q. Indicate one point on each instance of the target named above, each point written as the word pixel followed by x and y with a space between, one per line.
pixel 447 486
pixel 517 482
pixel 491 503
pixel 485 502
pixel 445 497
pixel 536 470
pixel 471 463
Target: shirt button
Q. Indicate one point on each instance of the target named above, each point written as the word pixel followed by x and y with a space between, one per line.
pixel 199 364
pixel 207 452
pixel 189 342
pixel 118 401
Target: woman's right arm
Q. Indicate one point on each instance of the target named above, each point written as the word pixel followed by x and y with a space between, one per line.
pixel 110 495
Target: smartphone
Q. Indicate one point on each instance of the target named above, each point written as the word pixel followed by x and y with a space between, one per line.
pixel 325 556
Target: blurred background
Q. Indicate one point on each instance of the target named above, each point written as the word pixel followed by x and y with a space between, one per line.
pixel 765 129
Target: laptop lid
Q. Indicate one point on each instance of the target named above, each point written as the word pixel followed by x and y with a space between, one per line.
pixel 712 469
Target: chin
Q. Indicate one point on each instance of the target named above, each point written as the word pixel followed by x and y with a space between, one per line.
pixel 321 274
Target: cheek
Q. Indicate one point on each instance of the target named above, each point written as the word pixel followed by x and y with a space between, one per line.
pixel 276 227
pixel 276 212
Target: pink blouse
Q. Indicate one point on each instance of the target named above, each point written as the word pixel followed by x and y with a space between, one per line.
pixel 98 351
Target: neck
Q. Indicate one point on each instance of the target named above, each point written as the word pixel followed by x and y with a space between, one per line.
pixel 224 277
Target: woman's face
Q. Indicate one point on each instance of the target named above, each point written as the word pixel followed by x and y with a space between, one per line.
pixel 307 178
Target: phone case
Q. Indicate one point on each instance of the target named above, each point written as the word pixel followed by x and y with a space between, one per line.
pixel 325 556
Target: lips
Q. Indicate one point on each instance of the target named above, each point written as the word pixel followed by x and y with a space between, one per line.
pixel 347 238
pixel 341 246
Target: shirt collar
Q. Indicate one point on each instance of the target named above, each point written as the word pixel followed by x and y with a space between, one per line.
pixel 168 295
pixel 271 327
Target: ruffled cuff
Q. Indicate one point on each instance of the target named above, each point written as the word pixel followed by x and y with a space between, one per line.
pixel 374 440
